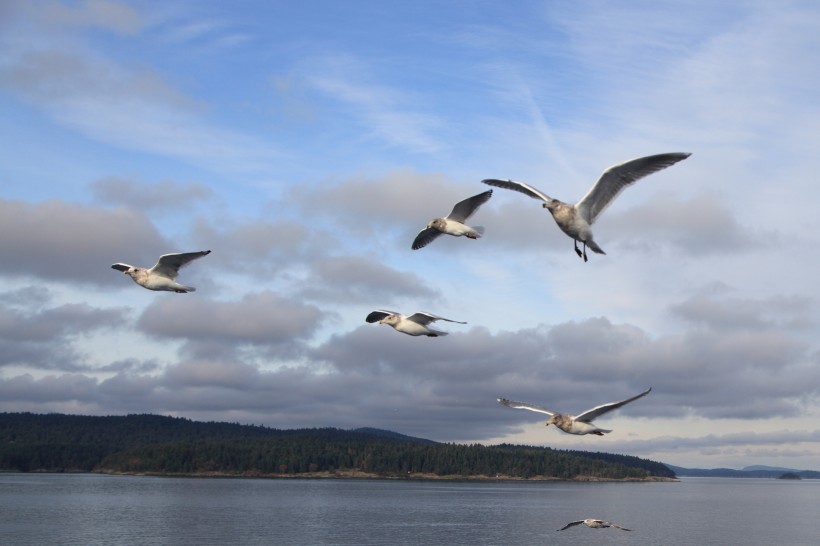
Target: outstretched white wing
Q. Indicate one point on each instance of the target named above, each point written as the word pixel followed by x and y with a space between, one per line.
pixel 464 209
pixel 426 318
pixel 597 411
pixel 614 179
pixel 526 189
pixel 168 264
pixel 523 405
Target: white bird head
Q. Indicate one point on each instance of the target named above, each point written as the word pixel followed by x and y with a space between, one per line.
pixel 390 320
pixel 552 420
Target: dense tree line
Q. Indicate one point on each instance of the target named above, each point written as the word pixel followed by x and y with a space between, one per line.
pixel 155 444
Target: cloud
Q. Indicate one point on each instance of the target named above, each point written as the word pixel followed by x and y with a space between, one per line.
pixel 381 109
pixel 355 279
pixel 115 16
pixel 126 106
pixel 39 337
pixel 258 318
pixel 66 242
pixel 163 196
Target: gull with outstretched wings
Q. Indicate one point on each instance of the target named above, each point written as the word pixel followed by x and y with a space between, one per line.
pixel 576 220
pixel 413 325
pixel 453 223
pixel 594 524
pixel 580 424
pixel 162 276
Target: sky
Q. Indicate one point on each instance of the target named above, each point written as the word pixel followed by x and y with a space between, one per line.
pixel 307 143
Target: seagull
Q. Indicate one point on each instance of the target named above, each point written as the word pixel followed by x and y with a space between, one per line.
pixel 414 325
pixel 453 223
pixel 582 424
pixel 594 523
pixel 162 275
pixel 576 220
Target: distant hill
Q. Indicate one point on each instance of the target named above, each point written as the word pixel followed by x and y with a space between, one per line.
pixel 170 445
pixel 747 472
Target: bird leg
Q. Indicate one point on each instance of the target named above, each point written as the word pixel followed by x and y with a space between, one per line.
pixel 577 251
pixel 585 251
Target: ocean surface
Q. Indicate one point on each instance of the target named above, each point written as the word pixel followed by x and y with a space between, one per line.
pixel 89 509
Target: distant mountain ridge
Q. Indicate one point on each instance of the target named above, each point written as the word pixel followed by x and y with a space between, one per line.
pixel 756 471
pixel 176 446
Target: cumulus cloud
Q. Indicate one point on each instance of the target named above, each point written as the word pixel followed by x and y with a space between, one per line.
pixel 355 279
pixel 258 318
pixel 163 196
pixel 68 242
pixel 35 336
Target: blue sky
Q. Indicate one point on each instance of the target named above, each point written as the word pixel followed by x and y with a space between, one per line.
pixel 307 143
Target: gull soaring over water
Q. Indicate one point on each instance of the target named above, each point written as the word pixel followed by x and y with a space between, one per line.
pixel 576 220
pixel 582 424
pixel 413 325
pixel 453 223
pixel 594 523
pixel 162 275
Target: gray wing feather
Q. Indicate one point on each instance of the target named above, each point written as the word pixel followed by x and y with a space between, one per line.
pixel 168 264
pixel 597 411
pixel 464 209
pixel 425 237
pixel 520 187
pixel 426 318
pixel 571 524
pixel 376 316
pixel 523 405
pixel 614 179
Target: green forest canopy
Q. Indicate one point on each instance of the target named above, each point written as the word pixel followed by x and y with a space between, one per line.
pixel 172 445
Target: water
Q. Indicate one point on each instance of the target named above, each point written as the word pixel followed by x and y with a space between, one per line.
pixel 86 509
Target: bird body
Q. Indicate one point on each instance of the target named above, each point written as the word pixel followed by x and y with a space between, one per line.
pixel 162 276
pixel 412 325
pixel 571 424
pixel 453 223
pixel 576 220
pixel 594 524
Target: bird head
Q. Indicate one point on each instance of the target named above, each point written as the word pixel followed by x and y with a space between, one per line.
pixel 390 320
pixel 551 421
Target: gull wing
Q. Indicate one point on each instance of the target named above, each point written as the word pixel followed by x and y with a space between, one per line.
pixel 425 237
pixel 464 209
pixel 426 318
pixel 597 411
pixel 523 405
pixel 121 267
pixel 616 526
pixel 169 264
pixel 571 524
pixel 614 179
pixel 376 316
pixel 520 187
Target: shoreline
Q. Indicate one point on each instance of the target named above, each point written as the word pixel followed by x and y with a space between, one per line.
pixel 359 475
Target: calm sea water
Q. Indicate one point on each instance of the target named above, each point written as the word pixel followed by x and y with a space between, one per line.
pixel 86 509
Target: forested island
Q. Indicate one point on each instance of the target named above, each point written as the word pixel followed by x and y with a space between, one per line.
pixel 158 445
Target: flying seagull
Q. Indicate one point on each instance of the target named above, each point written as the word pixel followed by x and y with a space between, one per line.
pixel 162 275
pixel 453 223
pixel 576 220
pixel 582 424
pixel 594 523
pixel 414 325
